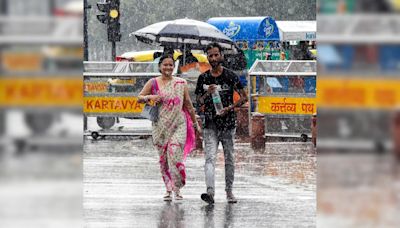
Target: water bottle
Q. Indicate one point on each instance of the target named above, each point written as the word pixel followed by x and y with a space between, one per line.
pixel 217 102
pixel 216 98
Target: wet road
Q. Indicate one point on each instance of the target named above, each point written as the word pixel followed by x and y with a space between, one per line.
pixel 369 181
pixel 123 187
pixel 41 189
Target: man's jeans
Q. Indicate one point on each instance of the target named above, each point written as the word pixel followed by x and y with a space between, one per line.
pixel 212 137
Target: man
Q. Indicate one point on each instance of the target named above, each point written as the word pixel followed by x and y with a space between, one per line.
pixel 189 58
pixel 219 128
pixel 305 53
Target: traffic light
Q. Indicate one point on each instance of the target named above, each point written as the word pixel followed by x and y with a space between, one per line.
pixel 114 25
pixel 105 8
pixel 110 8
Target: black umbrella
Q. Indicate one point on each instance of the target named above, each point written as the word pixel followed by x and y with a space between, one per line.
pixel 183 32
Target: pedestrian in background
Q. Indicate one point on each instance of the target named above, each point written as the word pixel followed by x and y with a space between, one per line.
pixel 222 127
pixel 173 133
pixel 188 56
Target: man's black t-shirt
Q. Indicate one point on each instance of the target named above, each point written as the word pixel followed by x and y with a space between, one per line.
pixel 228 81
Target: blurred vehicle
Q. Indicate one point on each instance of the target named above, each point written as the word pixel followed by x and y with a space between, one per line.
pixel 71 8
pixel 193 69
pixel 148 56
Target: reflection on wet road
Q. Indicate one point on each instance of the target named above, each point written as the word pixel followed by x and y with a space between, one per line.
pixel 123 188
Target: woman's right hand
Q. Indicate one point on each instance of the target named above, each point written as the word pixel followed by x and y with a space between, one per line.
pixel 153 98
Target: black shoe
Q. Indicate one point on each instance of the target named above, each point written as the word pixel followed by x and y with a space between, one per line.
pixel 207 198
pixel 230 197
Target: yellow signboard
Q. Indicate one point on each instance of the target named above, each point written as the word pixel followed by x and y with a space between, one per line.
pixel 338 92
pixel 39 92
pixel 25 62
pixel 287 105
pixel 358 93
pixel 96 87
pixel 103 86
pixel 111 105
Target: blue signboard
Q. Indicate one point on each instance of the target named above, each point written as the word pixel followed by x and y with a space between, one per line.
pixel 249 29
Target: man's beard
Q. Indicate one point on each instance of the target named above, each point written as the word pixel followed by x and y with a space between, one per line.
pixel 215 64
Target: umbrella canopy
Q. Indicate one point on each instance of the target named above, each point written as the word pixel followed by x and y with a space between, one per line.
pixel 183 32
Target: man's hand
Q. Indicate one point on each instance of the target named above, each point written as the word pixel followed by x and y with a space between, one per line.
pixel 211 88
pixel 225 110
pixel 198 130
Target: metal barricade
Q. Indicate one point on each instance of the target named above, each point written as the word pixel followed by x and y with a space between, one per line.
pixel 285 93
pixel 110 95
pixel 358 81
pixel 40 82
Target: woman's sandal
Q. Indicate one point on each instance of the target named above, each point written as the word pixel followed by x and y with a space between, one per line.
pixel 168 196
pixel 178 195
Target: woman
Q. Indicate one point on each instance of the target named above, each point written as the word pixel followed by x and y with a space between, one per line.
pixel 173 134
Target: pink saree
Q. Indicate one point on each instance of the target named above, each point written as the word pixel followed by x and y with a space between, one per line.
pixel 173 134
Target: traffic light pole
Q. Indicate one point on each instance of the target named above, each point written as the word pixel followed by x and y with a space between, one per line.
pixel 113 51
pixel 86 7
pixel 3 7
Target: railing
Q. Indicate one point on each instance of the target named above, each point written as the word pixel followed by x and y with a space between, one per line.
pixel 285 93
pixel 41 30
pixel 358 80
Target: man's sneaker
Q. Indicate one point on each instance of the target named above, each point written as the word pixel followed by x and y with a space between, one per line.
pixel 168 196
pixel 230 197
pixel 207 198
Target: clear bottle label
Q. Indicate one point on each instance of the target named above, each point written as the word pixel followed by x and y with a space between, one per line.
pixel 217 99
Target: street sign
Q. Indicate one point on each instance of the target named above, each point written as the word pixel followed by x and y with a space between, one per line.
pixel 287 105
pixel 112 105
pixel 358 92
pixel 41 92
pixel 21 62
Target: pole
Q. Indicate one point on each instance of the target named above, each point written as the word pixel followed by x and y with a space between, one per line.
pixel 51 5
pixel 86 7
pixel 3 7
pixel 113 51
pixel 184 54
